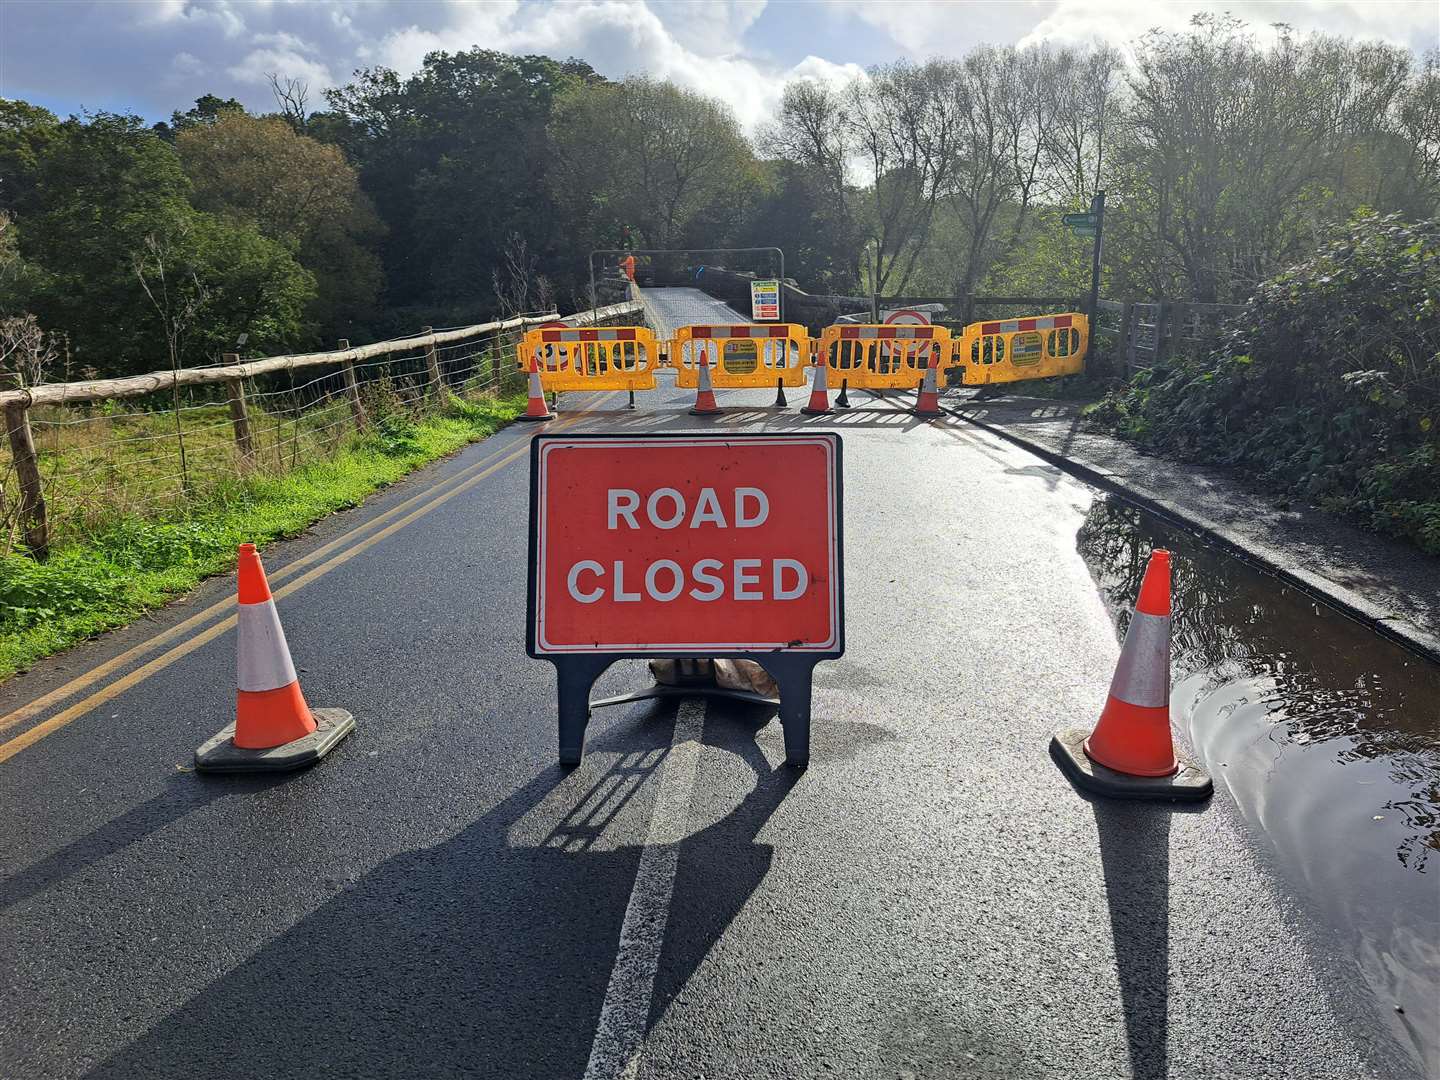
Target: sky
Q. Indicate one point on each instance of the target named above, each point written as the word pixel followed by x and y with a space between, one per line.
pixel 154 56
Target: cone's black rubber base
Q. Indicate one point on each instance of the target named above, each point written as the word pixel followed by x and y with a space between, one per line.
pixel 527 416
pixel 220 754
pixel 1067 747
pixel 705 412
pixel 815 412
pixel 927 412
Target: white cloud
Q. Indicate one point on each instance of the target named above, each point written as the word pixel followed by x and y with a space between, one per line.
pixel 285 55
pixel 695 45
pixel 152 55
pixel 1400 22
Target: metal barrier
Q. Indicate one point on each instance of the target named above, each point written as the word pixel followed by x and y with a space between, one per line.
pixel 739 356
pixel 602 358
pixel 1016 349
pixel 874 357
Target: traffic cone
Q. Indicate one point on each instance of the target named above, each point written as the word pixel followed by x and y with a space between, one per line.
pixel 927 402
pixel 535 408
pixel 780 401
pixel 705 393
pixel 1131 753
pixel 274 729
pixel 843 401
pixel 819 393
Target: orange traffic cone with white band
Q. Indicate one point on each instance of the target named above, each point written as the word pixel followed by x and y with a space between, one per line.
pixel 535 408
pixel 819 404
pixel 927 402
pixel 1131 752
pixel 274 728
pixel 704 393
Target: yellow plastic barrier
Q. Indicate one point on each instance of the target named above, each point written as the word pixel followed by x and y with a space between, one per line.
pixel 598 358
pixel 1013 349
pixel 759 354
pixel 875 357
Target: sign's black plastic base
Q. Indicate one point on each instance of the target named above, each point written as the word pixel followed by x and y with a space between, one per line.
pixel 220 754
pixel 793 672
pixel 1067 747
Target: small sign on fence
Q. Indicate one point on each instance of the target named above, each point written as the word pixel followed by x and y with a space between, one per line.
pixel 685 546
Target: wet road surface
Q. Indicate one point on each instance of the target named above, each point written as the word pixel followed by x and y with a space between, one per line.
pixel 930 899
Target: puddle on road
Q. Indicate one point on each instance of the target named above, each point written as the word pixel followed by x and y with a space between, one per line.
pixel 1327 735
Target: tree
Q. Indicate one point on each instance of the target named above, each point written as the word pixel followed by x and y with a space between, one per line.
pixel 811 137
pixel 904 121
pixel 25 132
pixel 103 192
pixel 455 159
pixel 1241 156
pixel 298 192
pixel 207 110
pixel 649 155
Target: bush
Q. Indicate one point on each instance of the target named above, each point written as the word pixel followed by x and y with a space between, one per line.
pixel 1327 387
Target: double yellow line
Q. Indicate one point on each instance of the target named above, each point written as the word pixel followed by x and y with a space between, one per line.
pixel 345 547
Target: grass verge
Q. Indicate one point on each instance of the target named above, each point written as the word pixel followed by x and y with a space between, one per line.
pixel 132 564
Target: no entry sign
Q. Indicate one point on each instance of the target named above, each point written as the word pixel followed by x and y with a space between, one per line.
pixel 685 544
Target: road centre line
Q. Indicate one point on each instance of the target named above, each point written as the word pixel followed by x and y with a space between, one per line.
pixel 620 1031
pixel 33 735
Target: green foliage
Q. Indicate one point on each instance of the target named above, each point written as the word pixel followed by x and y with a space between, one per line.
pixel 134 564
pixel 455 158
pixel 262 174
pixel 1328 388
pixel 106 203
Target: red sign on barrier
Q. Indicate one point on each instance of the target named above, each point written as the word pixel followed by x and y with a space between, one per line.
pixel 674 544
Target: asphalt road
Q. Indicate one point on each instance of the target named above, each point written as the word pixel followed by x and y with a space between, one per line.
pixel 930 899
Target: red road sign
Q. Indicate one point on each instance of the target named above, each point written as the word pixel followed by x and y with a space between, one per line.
pixel 675 544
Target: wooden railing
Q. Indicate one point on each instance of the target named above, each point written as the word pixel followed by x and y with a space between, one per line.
pixel 17 402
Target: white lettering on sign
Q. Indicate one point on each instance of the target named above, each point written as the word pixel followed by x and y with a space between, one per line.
pixel 666 508
pixel 665 580
pixel 574 576
pixel 802 579
pixel 742 580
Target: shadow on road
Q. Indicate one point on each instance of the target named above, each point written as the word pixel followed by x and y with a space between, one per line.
pixel 472 958
pixel 183 795
pixel 1135 860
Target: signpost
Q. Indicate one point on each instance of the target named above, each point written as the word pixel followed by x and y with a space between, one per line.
pixel 1091 226
pixel 765 301
pixel 685 546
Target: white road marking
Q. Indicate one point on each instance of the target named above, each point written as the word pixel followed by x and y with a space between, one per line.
pixel 615 1051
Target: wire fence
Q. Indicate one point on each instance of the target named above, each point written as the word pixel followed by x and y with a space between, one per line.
pixel 151 455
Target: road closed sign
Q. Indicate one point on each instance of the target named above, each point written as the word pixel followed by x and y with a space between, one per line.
pixel 685 544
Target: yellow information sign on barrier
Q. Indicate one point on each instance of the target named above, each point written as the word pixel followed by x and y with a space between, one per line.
pixel 740 356
pixel 592 358
pixel 1015 349
pixel 875 357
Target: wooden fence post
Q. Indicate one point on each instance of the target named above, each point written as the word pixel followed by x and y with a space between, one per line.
pixel 352 387
pixel 34 525
pixel 239 411
pixel 1125 342
pixel 1162 327
pixel 432 362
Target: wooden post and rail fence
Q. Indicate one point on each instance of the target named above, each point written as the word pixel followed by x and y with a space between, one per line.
pixel 17 401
